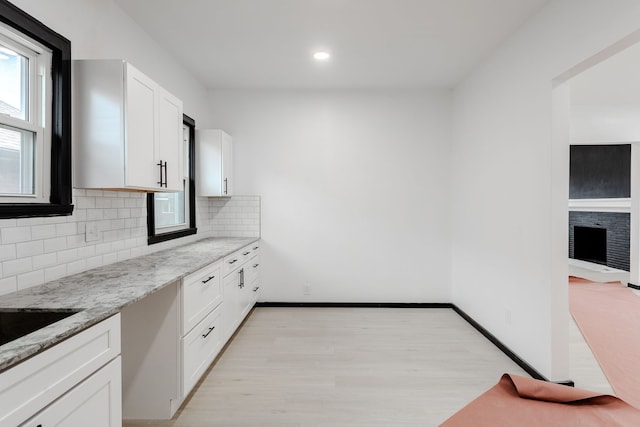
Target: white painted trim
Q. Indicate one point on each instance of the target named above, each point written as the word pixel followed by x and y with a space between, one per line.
pixel 600 205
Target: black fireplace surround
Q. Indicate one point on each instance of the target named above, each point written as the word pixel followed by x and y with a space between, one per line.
pixel 601 237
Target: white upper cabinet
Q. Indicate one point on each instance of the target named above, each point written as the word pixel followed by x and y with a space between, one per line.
pixel 214 154
pixel 127 130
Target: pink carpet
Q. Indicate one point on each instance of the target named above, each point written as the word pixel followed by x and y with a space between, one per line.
pixel 525 402
pixel 608 315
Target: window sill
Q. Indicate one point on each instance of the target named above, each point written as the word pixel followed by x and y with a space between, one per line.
pixel 30 210
pixel 158 238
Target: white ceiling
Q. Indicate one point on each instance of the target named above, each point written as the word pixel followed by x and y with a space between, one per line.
pixel 374 43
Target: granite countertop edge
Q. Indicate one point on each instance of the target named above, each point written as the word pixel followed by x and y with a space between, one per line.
pixel 104 291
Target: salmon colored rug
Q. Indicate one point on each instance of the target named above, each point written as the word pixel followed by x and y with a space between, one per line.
pixel 525 402
pixel 608 315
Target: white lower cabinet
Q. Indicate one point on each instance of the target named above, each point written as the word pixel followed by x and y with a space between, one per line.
pixel 94 402
pixel 74 383
pixel 199 348
pixel 171 337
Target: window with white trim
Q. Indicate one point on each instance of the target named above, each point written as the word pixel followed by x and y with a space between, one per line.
pixel 25 93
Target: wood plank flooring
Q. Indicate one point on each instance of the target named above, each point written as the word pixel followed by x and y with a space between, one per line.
pixel 330 367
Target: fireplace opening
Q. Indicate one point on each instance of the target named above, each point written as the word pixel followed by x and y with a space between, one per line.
pixel 590 244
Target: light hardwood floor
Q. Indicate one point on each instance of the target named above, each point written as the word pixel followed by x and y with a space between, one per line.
pixel 330 367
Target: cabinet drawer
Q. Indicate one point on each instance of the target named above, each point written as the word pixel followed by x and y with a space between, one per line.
pixel 201 293
pixel 252 270
pixel 33 384
pixel 232 262
pixel 199 348
pixel 255 248
pixel 95 402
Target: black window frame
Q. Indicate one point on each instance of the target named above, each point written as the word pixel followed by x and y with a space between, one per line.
pixel 60 197
pixel 154 238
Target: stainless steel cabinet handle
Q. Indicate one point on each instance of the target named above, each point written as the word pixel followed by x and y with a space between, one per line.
pixel 246 253
pixel 256 289
pixel 210 277
pixel 232 261
pixel 208 332
pixel 256 248
pixel 255 265
pixel 225 186
pixel 241 272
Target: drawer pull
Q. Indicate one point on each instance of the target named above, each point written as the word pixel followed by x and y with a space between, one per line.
pixel 256 289
pixel 208 332
pixel 256 248
pixel 233 261
pixel 210 277
pixel 255 265
pixel 246 253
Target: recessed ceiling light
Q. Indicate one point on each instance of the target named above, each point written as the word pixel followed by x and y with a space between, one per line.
pixel 321 56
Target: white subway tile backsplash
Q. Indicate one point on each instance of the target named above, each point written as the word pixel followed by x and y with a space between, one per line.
pixel 85 203
pixel 68 255
pixel 76 267
pixel 5 223
pixel 17 266
pixel 29 221
pixel 53 273
pixel 94 261
pixel 110 258
pixel 95 214
pixel 34 250
pixel 43 231
pixel 66 229
pixel 46 260
pixel 55 245
pixel 16 234
pixel 28 249
pixel 30 279
pixel 8 285
pixel 7 252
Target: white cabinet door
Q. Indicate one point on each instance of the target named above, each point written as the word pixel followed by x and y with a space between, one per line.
pixel 141 99
pixel 170 141
pixel 214 154
pixel 227 165
pixel 95 402
pixel 123 125
pixel 245 297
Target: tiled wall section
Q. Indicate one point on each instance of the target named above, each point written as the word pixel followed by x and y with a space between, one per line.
pixel 37 250
pixel 618 234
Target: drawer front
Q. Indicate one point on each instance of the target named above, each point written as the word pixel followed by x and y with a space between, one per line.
pixel 252 270
pixel 232 262
pixel 201 293
pixel 33 384
pixel 245 254
pixel 199 349
pixel 95 402
pixel 255 248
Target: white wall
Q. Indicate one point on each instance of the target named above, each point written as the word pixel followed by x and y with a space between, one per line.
pixel 510 182
pixel 354 187
pixel 605 101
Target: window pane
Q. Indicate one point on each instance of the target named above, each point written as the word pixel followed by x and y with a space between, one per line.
pixel 13 83
pixel 16 161
pixel 169 209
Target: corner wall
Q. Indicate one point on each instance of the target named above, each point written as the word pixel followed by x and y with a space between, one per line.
pixel 354 188
pixel 509 179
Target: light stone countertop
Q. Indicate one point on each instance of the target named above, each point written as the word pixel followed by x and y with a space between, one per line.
pixel 104 291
